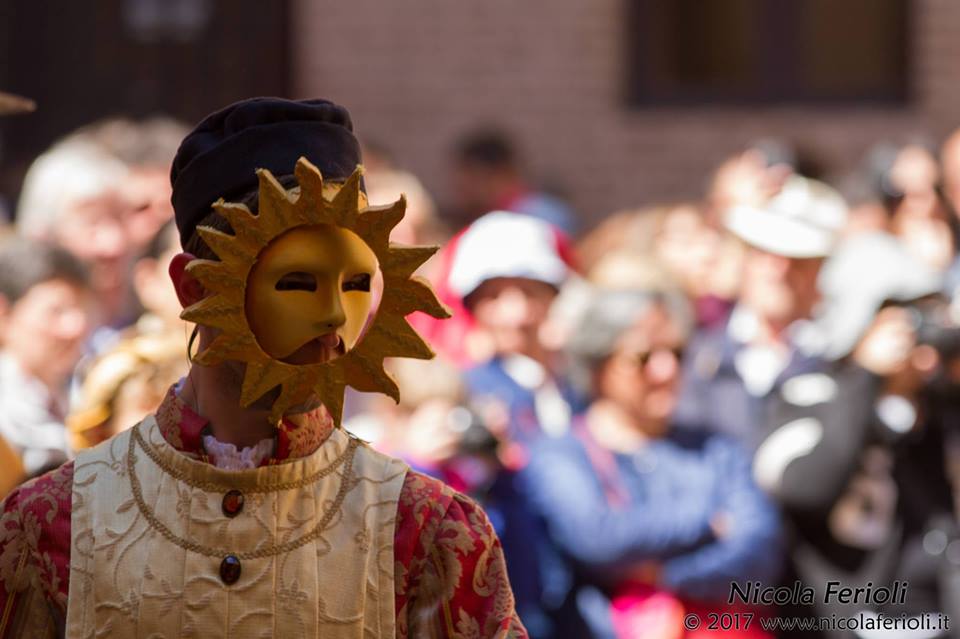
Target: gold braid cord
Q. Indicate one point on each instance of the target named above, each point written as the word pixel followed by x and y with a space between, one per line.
pixel 345 459
pixel 213 487
pixel 279 211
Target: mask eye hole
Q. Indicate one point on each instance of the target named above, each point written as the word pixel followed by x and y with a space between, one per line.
pixel 297 281
pixel 360 282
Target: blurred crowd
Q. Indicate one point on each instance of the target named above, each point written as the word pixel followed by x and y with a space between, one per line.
pixel 761 386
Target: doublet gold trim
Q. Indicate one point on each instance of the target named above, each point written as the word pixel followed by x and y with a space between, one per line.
pixel 211 486
pixel 345 458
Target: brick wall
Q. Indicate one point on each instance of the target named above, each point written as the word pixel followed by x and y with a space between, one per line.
pixel 416 74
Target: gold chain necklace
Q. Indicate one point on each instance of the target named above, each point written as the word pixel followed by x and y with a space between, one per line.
pixel 214 487
pixel 268 551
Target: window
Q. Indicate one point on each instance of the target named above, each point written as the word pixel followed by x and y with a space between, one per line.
pixel 767 51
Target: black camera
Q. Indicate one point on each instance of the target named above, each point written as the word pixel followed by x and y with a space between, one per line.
pixel 475 437
pixel 934 327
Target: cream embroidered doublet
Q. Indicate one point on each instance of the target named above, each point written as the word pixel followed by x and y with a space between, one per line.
pixel 314 539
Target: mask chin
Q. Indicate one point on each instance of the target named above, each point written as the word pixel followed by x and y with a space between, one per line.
pixel 319 350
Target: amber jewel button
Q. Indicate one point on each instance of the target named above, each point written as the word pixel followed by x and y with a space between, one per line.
pixel 232 503
pixel 230 569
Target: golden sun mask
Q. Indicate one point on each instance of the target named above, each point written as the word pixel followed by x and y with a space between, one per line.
pixel 291 293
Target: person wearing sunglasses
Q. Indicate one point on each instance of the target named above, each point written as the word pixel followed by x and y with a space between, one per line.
pixel 654 522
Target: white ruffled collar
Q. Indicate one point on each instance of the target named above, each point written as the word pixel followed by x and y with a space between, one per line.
pixel 227 457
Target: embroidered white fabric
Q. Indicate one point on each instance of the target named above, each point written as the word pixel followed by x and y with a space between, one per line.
pixel 227 457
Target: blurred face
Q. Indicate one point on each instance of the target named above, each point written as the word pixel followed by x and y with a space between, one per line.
pixel 951 169
pixel 93 230
pixel 779 289
pixel 46 328
pixel 688 247
pixel 919 214
pixel 152 286
pixel 147 194
pixel 479 189
pixel 512 310
pixel 309 294
pixel 914 176
pixel 642 375
pixel 745 178
pixel 470 188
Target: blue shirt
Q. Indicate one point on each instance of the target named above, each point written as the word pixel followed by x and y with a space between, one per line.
pixel 668 492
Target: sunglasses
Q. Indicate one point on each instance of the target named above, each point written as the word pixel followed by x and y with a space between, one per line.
pixel 893 196
pixel 643 358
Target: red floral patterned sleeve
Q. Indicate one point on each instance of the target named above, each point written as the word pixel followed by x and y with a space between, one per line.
pixel 35 556
pixel 451 580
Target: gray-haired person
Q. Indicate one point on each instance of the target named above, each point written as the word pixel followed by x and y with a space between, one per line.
pixel 636 507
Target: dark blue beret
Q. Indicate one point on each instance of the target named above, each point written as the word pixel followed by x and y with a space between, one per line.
pixel 219 158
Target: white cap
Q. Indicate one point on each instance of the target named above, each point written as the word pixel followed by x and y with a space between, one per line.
pixel 502 244
pixel 803 220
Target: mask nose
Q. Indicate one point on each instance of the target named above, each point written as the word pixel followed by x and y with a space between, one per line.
pixel 331 316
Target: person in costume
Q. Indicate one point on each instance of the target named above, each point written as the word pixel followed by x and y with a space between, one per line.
pixel 240 508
